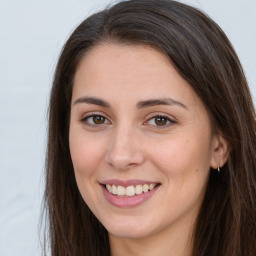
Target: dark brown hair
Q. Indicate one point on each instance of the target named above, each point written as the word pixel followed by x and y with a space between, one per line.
pixel 204 57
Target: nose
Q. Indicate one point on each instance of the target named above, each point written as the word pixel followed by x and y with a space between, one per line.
pixel 124 151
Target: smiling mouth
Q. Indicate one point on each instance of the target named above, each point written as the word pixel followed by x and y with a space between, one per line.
pixel 129 191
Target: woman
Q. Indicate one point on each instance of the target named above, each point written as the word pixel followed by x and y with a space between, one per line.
pixel 151 147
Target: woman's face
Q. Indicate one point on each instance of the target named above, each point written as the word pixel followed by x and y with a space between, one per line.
pixel 140 141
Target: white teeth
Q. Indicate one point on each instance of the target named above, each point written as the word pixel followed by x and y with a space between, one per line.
pixel 130 190
pixel 138 189
pixel 120 190
pixel 151 186
pixel 114 190
pixel 145 188
pixel 109 188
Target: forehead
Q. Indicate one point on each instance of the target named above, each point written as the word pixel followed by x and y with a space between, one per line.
pixel 108 59
pixel 115 71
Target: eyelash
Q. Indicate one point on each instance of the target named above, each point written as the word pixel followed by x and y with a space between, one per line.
pixel 86 118
pixel 168 121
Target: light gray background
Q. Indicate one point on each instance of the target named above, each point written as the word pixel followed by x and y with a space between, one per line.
pixel 32 33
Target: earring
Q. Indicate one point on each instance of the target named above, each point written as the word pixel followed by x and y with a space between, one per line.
pixel 218 169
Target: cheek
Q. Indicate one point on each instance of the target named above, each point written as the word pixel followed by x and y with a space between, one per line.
pixel 86 153
pixel 183 156
pixel 185 164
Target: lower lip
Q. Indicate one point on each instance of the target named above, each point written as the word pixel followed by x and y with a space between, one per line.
pixel 129 201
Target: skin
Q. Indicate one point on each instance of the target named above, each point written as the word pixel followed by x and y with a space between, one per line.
pixel 130 144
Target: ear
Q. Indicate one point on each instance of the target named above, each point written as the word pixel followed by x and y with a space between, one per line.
pixel 220 151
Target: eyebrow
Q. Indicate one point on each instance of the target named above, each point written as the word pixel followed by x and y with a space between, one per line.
pixel 156 102
pixel 92 100
pixel 140 104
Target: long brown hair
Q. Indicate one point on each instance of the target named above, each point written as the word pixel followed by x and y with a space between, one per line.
pixel 203 56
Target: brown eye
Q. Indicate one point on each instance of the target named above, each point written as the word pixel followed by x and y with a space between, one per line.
pixel 95 120
pixel 160 121
pixel 98 119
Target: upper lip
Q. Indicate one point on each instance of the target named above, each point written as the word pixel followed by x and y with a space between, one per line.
pixel 126 183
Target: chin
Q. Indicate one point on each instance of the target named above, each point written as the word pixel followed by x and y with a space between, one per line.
pixel 130 229
pixel 129 233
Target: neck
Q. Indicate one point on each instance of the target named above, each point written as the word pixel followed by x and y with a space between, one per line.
pixel 174 242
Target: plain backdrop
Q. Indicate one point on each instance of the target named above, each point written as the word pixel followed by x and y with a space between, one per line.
pixel 32 33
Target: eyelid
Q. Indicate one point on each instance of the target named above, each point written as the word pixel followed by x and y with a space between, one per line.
pixel 94 113
pixel 91 114
pixel 171 119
